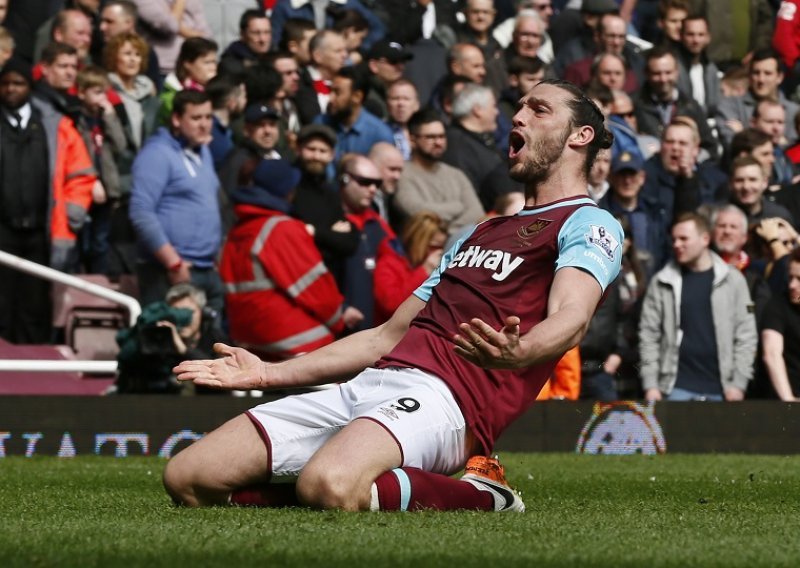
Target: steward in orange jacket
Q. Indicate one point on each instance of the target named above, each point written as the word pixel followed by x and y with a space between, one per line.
pixel 72 176
pixel 280 298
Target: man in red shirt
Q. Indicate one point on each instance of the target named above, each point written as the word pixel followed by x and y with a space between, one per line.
pixel 463 357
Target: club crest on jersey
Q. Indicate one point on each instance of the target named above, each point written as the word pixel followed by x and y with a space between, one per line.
pixel 498 261
pixel 533 229
pixel 602 239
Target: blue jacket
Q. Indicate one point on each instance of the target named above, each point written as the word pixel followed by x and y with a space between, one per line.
pixel 625 139
pixel 649 232
pixel 366 131
pixel 174 200
pixel 285 9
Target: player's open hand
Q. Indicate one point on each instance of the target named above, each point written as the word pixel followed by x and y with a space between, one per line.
pixel 489 348
pixel 237 369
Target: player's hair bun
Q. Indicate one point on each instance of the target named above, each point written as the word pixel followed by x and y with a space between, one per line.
pixel 607 139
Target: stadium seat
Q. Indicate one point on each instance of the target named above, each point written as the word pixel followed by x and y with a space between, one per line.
pixel 90 323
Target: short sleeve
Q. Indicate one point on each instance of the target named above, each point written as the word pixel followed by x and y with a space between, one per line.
pixel 591 239
pixel 774 317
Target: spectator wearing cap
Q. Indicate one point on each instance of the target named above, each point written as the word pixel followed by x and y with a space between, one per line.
pixel 476 30
pixel 280 298
pixel 320 12
pixel 386 62
pixel 623 200
pixel 261 134
pixel 174 204
pixel 46 183
pixel 357 129
pixel 317 202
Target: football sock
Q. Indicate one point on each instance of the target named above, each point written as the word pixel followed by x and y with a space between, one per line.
pixel 412 489
pixel 266 495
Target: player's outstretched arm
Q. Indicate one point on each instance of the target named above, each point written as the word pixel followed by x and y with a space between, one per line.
pixel 238 369
pixel 571 304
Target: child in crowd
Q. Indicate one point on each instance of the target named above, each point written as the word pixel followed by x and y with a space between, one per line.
pixel 104 137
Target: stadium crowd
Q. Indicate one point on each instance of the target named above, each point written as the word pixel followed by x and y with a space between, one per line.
pixel 306 170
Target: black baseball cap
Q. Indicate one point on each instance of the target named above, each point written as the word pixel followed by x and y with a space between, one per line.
pixel 257 112
pixel 392 51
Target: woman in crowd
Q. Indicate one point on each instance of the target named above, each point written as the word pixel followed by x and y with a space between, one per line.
pixel 125 60
pixel 397 276
pixel 136 104
pixel 195 67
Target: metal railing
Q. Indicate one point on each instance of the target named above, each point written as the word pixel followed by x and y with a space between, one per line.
pixel 53 275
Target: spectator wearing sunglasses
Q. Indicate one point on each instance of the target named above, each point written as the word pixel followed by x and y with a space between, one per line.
pixel 359 181
pixel 627 138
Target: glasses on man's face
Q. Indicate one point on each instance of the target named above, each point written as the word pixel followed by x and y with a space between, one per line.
pixel 629 114
pixel 432 136
pixel 542 7
pixel 365 181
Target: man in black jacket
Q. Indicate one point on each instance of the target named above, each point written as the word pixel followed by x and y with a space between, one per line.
pixel 317 202
pixel 471 146
pixel 660 100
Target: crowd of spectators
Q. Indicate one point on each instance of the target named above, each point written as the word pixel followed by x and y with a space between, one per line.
pixel 305 176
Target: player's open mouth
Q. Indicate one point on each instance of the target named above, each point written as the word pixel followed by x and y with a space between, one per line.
pixel 515 144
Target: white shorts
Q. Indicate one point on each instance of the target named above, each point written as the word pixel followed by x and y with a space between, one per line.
pixel 416 408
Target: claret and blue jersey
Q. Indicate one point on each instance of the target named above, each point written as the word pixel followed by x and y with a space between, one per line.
pixel 504 267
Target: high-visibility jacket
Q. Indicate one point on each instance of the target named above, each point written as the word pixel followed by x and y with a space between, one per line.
pixel 72 176
pixel 281 300
pixel 565 383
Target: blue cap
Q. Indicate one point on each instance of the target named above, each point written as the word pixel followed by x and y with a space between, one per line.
pixel 276 177
pixel 630 161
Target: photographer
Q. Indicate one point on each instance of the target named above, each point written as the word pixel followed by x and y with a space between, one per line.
pixel 165 334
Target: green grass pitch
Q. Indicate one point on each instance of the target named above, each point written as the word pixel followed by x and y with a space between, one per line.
pixel 638 511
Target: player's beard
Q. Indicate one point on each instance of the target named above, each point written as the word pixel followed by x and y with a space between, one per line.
pixel 541 155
